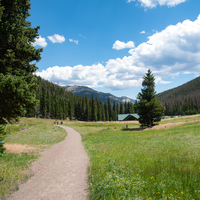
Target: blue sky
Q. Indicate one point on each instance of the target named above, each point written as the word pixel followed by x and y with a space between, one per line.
pixel 109 45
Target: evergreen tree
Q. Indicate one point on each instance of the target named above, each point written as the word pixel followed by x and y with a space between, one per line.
pixel 110 113
pixel 17 83
pixel 93 109
pixel 43 102
pixel 121 108
pixel 148 107
pixel 48 99
pixel 99 109
pixel 114 111
pixel 106 112
pixel 87 109
pixel 71 109
pixel 103 111
pixel 126 108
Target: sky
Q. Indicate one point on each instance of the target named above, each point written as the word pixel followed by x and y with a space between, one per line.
pixel 109 45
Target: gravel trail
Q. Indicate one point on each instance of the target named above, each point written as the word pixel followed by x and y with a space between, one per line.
pixel 60 173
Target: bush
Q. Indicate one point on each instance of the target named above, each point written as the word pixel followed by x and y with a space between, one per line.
pixel 2 135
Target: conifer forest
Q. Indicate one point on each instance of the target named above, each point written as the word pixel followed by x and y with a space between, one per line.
pixel 56 103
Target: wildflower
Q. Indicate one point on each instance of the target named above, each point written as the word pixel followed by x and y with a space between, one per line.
pixel 175 191
pixel 171 195
pixel 182 193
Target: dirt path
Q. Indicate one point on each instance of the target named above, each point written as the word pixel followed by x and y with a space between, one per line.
pixel 60 173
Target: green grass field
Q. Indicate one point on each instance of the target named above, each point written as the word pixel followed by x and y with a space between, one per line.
pixel 124 164
pixel 151 164
pixel 14 168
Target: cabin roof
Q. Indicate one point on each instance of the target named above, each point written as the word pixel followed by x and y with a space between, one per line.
pixel 124 117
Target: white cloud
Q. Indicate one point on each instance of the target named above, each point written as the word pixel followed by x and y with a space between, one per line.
pixel 75 41
pixel 154 3
pixel 79 74
pixel 169 53
pixel 122 45
pixel 82 36
pixel 40 42
pixel 142 32
pixel 57 38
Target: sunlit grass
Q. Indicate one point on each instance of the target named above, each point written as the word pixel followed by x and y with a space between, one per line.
pixel 152 164
pixel 14 168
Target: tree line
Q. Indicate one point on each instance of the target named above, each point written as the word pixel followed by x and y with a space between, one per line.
pixel 56 103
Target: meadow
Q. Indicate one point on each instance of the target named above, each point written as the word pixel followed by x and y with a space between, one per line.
pixel 35 133
pixel 148 164
pixel 161 163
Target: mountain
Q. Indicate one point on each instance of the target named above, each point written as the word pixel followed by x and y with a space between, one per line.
pixel 181 100
pixel 80 90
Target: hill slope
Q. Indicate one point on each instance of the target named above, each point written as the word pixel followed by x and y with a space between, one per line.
pixel 181 100
pixel 80 90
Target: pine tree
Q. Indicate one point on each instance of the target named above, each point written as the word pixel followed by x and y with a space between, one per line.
pixel 17 83
pixel 43 102
pixel 99 109
pixel 71 109
pixel 87 109
pixel 48 99
pixel 121 108
pixel 106 111
pixel 93 109
pixel 148 107
pixel 110 112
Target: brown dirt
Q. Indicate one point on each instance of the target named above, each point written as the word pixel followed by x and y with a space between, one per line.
pixel 18 148
pixel 164 126
pixel 60 173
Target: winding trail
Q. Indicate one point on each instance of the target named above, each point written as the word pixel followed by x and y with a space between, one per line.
pixel 60 173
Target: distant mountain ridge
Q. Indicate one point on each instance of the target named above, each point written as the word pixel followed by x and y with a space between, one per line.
pixel 81 90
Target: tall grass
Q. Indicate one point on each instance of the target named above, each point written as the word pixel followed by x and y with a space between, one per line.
pixel 153 164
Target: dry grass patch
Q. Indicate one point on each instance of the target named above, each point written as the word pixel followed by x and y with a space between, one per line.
pixel 165 126
pixel 18 148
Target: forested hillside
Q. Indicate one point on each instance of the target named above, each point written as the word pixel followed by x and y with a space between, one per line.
pixel 57 103
pixel 182 100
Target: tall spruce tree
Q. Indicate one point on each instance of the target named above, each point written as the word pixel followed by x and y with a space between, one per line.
pixel 93 109
pixel 17 83
pixel 17 54
pixel 121 108
pixel 148 107
pixel 43 102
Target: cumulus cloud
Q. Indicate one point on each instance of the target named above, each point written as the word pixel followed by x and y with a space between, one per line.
pixel 40 42
pixel 169 53
pixel 57 38
pixel 142 32
pixel 154 3
pixel 79 74
pixel 75 41
pixel 122 45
